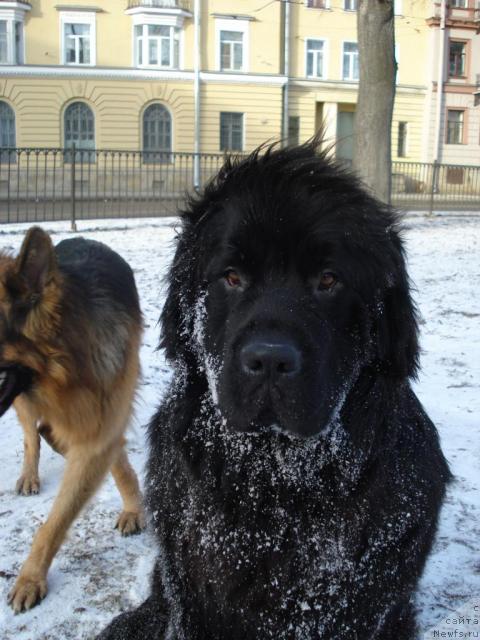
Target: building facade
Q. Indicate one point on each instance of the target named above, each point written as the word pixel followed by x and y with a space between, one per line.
pixel 216 75
pixel 453 110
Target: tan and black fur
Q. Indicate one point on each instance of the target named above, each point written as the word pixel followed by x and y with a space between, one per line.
pixel 70 331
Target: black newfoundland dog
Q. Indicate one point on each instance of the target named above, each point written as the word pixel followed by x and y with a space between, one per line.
pixel 294 478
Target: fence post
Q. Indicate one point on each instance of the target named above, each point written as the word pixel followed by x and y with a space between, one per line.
pixel 73 195
pixel 433 187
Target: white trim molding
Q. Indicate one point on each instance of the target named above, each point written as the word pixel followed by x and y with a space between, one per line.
pixel 175 13
pixel 16 6
pixel 164 18
pixel 243 78
pixel 84 71
pixel 344 85
pixel 67 71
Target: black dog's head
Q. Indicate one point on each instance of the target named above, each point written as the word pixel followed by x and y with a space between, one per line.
pixel 288 280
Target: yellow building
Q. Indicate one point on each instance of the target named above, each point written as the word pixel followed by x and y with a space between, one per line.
pixel 204 75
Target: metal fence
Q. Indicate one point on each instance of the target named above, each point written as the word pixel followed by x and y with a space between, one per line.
pixel 434 187
pixel 60 184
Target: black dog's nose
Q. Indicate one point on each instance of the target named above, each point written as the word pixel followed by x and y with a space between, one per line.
pixel 262 358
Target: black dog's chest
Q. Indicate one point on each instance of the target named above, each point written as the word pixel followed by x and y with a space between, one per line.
pixel 253 536
pixel 252 563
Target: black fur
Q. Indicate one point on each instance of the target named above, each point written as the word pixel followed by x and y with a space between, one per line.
pixel 98 272
pixel 298 504
pixel 15 380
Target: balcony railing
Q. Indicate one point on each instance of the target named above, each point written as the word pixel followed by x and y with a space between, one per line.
pixel 186 5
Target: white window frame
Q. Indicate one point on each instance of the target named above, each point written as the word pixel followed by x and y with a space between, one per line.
pixel 11 17
pixel 325 59
pixel 158 20
pixel 175 34
pixel 350 78
pixel 79 17
pixel 240 26
pixel 397 7
pixel 350 10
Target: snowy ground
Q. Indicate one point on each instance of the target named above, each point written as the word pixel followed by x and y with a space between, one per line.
pixel 97 574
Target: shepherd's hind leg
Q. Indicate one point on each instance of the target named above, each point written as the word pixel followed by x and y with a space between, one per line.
pixel 84 471
pixel 131 519
pixel 29 482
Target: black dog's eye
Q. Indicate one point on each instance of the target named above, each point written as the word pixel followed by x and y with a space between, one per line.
pixel 328 279
pixel 232 278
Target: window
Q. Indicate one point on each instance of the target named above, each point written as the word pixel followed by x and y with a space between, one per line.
pixel 78 38
pixel 231 50
pixel 11 42
pixel 350 61
pixel 293 130
pixel 350 5
pixel 79 130
pixel 232 44
pixel 157 45
pixel 231 131
pixel 7 131
pixel 318 4
pixel 345 134
pixel 459 4
pixel 455 124
pixel 457 58
pixel 402 140
pixel 3 42
pixel 315 58
pixel 157 134
pixel 77 44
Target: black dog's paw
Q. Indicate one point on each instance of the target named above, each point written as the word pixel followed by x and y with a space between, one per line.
pixel 148 622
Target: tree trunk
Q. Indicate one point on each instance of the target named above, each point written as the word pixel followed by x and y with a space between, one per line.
pixel 373 120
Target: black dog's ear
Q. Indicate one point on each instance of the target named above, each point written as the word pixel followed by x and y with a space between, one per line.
pixel 177 316
pixel 36 260
pixel 397 325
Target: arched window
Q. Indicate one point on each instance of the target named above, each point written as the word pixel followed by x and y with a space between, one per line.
pixel 7 131
pixel 79 128
pixel 157 134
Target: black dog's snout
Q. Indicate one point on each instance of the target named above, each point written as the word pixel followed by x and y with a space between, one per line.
pixel 269 358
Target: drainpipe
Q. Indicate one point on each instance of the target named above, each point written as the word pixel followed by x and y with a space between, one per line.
pixel 437 151
pixel 196 91
pixel 286 70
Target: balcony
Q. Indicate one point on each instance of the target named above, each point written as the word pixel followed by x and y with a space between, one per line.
pixel 458 16
pixel 145 5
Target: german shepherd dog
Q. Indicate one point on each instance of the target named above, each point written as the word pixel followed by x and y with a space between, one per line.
pixel 70 330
